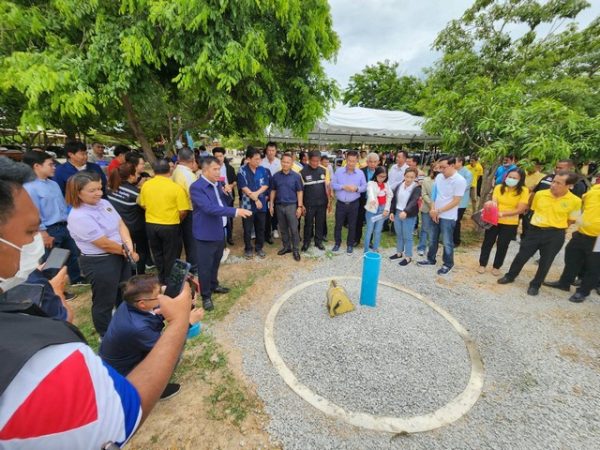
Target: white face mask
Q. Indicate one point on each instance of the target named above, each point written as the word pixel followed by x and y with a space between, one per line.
pixel 30 258
pixel 511 182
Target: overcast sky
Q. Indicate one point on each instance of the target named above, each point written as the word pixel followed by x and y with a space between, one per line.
pixel 398 30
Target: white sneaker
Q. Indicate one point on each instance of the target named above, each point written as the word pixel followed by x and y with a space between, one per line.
pixel 276 234
pixel 225 255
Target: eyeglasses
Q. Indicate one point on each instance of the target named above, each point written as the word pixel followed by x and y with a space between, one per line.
pixel 146 299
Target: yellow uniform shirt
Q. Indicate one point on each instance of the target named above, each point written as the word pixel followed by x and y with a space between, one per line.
pixel 184 177
pixel 590 220
pixel 162 199
pixel 552 212
pixel 476 171
pixel 327 174
pixel 531 181
pixel 509 201
pixel 297 167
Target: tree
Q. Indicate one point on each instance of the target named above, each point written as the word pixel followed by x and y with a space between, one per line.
pixel 237 65
pixel 496 91
pixel 380 87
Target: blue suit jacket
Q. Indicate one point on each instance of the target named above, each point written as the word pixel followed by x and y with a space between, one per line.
pixel 208 215
pixel 67 170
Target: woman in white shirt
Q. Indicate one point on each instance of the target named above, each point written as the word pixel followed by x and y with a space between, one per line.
pixel 403 212
pixel 379 198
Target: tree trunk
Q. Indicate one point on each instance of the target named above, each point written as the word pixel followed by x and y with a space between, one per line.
pixel 487 184
pixel 136 127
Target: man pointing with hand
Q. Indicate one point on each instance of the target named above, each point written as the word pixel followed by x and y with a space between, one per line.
pixel 209 227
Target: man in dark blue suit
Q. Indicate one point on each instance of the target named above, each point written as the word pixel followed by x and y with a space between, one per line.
pixel 209 224
pixel 77 160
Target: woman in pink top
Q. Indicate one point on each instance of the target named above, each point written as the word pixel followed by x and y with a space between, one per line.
pixel 104 240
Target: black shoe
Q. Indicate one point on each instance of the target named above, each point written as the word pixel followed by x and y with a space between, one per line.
pixel 577 297
pixel 284 251
pixel 349 249
pixel 444 270
pixel 532 290
pixel 396 256
pixel 425 262
pixel 325 239
pixel 69 296
pixel 269 241
pixel 504 280
pixel 207 304
pixel 296 255
pixel 230 242
pixel 261 253
pixel 335 248
pixel 248 254
pixel 405 262
pixel 557 285
pixel 171 390
pixel 221 290
pixel 320 246
pixel 304 247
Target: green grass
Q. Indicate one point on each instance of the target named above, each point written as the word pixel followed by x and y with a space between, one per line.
pixel 229 401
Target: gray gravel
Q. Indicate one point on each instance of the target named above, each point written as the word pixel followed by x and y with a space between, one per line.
pixel 541 357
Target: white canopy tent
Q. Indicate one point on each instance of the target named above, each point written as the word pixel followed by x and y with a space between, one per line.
pixel 356 125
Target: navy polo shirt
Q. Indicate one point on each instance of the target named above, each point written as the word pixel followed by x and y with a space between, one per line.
pixel 287 187
pixel 131 335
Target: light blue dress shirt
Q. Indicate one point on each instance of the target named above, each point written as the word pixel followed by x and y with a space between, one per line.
pixel 49 200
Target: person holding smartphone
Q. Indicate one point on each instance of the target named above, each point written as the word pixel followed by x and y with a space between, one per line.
pixel 100 234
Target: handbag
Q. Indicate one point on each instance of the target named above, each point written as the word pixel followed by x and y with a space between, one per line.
pixel 478 219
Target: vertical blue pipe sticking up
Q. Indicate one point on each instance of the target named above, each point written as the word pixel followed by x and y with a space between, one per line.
pixel 370 278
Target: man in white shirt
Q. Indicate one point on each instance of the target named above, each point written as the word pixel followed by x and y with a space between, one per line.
pixel 273 163
pixel 450 187
pixel 396 173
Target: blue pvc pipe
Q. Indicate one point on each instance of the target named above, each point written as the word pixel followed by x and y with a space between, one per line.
pixel 370 279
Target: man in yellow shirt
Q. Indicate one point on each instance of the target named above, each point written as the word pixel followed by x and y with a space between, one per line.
pixel 476 170
pixel 184 175
pixel 166 206
pixel 534 176
pixel 554 210
pixel 580 254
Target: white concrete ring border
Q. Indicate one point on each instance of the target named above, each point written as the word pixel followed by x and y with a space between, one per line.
pixel 445 415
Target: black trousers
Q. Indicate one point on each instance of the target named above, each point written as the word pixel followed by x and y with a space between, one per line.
pixel 256 221
pixel 315 222
pixel 165 243
pixel 456 236
pixel 270 225
pixel 548 241
pixel 288 225
pixel 345 212
pixel 580 257
pixel 501 235
pixel 360 218
pixel 106 273
pixel 189 243
pixel 209 254
pixel 140 241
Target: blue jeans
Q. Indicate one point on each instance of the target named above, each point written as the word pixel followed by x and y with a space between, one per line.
pixel 404 234
pixel 62 239
pixel 373 228
pixel 445 227
pixel 425 234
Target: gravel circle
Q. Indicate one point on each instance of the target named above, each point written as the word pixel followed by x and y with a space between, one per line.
pixel 541 356
pixel 372 359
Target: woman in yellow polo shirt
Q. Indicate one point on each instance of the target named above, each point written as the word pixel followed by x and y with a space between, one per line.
pixel 512 198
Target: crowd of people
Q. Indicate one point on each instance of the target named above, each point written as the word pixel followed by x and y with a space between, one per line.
pixel 118 222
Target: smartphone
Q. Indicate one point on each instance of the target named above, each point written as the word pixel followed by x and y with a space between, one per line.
pixel 56 260
pixel 177 278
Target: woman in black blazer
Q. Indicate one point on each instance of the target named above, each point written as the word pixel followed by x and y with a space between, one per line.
pixel 404 212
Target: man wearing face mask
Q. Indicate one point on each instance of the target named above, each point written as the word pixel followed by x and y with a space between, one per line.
pixel 46 362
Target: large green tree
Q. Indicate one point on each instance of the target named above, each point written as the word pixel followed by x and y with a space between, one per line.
pixel 502 86
pixel 236 65
pixel 380 87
